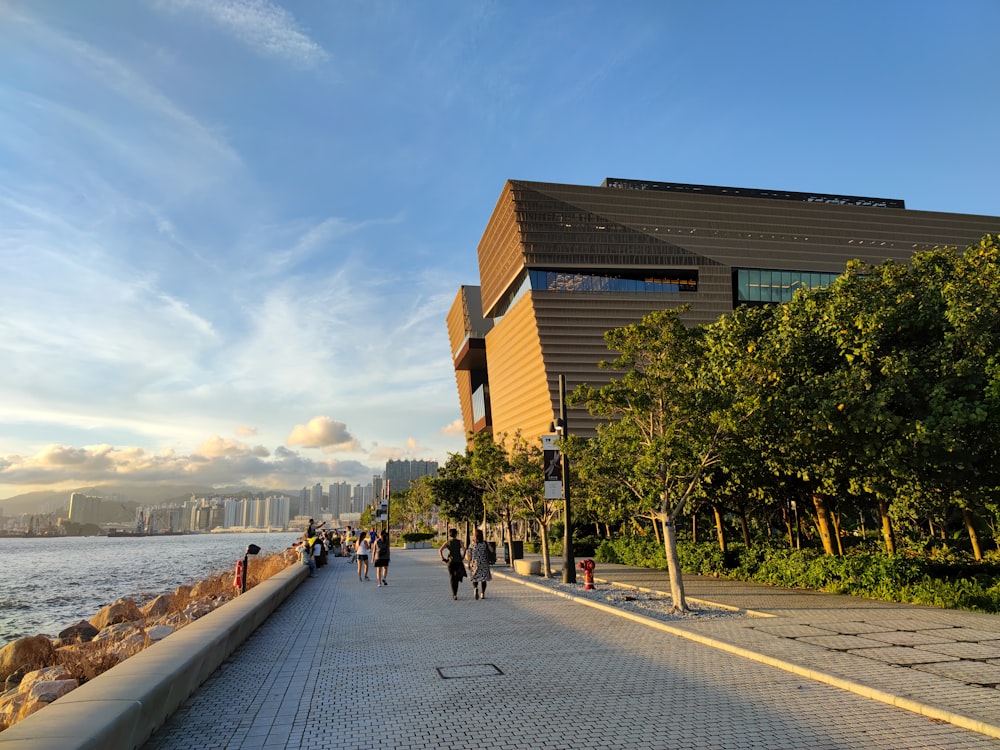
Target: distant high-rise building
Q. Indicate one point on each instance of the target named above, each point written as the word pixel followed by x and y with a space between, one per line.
pixel 340 499
pixel 84 509
pixel 401 473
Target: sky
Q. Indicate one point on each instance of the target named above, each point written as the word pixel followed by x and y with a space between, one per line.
pixel 231 230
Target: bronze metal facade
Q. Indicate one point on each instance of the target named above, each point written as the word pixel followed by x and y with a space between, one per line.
pixel 561 264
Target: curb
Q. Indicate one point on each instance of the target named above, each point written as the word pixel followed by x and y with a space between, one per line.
pixel 866 691
pixel 121 708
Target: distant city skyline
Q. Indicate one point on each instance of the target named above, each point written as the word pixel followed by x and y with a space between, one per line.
pixel 231 230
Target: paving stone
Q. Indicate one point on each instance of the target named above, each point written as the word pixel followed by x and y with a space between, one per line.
pixel 965 649
pixel 842 642
pixel 909 638
pixel 972 672
pixel 901 655
pixel 964 634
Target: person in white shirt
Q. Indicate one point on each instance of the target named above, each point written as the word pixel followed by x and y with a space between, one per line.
pixel 364 550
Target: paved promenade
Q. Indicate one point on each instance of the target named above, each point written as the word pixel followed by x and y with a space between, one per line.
pixel 346 664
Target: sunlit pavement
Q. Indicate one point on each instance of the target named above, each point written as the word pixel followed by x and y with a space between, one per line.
pixel 348 664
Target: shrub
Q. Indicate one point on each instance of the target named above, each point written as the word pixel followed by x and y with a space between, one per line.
pixel 416 536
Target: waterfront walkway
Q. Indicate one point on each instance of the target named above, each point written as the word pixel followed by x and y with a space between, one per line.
pixel 346 665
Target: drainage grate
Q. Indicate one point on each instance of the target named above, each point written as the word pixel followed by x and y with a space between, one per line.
pixel 458 671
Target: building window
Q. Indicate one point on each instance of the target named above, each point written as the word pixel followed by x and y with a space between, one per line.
pixel 643 281
pixel 754 286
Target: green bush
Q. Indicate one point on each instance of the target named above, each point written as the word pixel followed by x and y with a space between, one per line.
pixel 639 551
pixel 938 579
pixel 416 536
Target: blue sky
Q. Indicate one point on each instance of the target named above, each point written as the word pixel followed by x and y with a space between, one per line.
pixel 230 230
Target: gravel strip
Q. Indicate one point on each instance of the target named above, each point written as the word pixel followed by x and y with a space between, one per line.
pixel 656 605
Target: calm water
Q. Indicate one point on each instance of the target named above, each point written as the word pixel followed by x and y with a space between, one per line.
pixel 48 584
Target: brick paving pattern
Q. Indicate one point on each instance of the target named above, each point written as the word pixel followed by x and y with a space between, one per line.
pixel 345 665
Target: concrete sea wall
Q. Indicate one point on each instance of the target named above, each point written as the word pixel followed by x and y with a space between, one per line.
pixel 121 708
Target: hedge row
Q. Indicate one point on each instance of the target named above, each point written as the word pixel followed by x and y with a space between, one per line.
pixel 900 578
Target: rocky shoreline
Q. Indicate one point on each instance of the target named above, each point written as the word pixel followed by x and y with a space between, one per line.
pixel 36 670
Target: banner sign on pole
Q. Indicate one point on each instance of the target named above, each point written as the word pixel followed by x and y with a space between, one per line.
pixel 552 467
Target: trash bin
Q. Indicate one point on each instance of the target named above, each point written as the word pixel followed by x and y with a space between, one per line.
pixel 518 549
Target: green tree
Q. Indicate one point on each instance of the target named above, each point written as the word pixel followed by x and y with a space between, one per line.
pixel 456 495
pixel 665 419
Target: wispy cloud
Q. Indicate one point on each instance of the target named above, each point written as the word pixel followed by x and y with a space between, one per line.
pixel 265 27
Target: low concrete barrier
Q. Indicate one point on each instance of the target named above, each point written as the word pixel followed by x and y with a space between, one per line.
pixel 528 567
pixel 121 708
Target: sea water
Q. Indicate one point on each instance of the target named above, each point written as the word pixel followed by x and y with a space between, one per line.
pixel 50 583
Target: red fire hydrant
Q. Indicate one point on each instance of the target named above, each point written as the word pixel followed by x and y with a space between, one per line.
pixel 238 581
pixel 587 566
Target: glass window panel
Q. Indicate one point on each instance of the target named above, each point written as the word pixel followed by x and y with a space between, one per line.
pixel 742 285
pixel 753 282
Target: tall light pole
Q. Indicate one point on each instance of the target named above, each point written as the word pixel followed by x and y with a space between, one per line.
pixel 569 564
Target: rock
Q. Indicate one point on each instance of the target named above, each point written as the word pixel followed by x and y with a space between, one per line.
pixel 42 694
pixel 26 654
pixel 116 632
pixel 14 679
pixel 123 610
pixel 198 609
pixel 128 646
pixel 10 707
pixel 205 588
pixel 82 632
pixel 158 607
pixel 159 632
pixel 48 674
pixel 183 592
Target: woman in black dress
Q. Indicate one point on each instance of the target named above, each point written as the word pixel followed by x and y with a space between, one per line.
pixel 451 553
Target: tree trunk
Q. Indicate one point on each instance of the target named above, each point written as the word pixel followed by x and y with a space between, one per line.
pixel 510 540
pixel 973 536
pixel 720 531
pixel 694 528
pixel 745 527
pixel 888 535
pixel 546 561
pixel 788 525
pixel 674 566
pixel 824 523
pixel 836 531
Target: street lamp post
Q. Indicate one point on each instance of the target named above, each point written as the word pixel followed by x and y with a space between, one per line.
pixel 569 565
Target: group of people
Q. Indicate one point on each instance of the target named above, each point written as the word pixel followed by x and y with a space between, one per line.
pixel 314 546
pixel 371 549
pixel 479 556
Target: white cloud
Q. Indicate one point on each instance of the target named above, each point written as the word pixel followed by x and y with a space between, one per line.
pixel 264 26
pixel 323 432
pixel 454 428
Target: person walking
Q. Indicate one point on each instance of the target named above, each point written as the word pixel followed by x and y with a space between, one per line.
pixel 363 551
pixel 380 556
pixel 306 556
pixel 478 555
pixel 452 553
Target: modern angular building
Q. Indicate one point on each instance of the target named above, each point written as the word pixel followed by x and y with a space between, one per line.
pixel 561 264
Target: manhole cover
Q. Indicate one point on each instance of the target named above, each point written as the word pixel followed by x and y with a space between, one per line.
pixel 469 670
